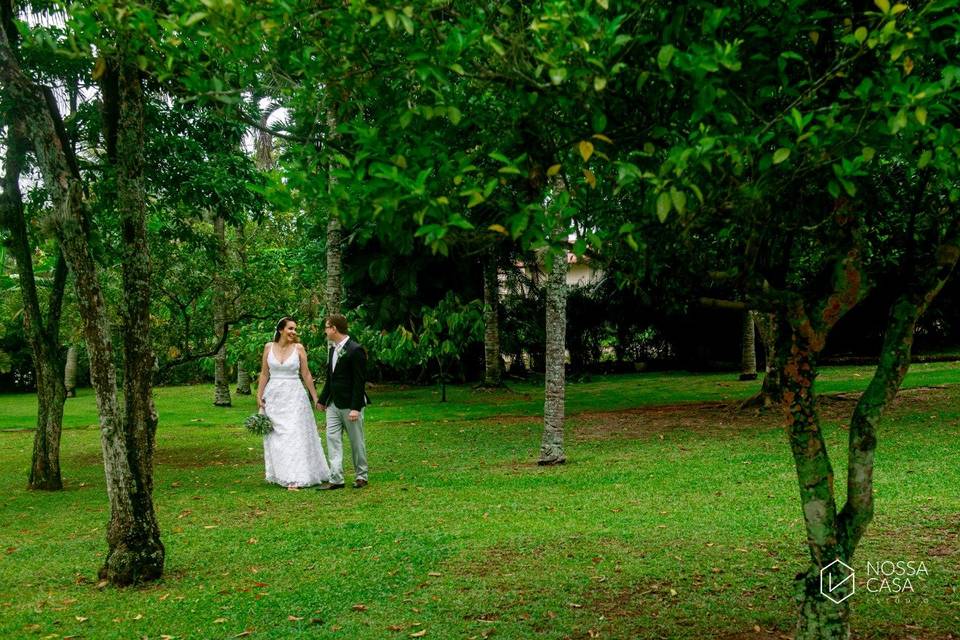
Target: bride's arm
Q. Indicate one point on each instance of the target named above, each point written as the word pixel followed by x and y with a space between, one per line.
pixel 306 375
pixel 264 375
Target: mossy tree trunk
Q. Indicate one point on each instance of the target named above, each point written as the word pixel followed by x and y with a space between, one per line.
pixel 43 333
pixel 831 534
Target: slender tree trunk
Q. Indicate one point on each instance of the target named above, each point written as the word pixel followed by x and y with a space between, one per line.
pixel 70 372
pixel 243 380
pixel 770 390
pixel 748 354
pixel 491 323
pixel 42 335
pixel 334 286
pixel 551 446
pixel 136 552
pixel 221 383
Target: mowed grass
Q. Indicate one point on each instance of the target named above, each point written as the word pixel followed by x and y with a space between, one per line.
pixel 676 517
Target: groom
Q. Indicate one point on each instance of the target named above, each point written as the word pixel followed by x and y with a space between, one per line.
pixel 343 398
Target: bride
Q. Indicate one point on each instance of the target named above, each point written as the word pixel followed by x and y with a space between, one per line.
pixel 292 452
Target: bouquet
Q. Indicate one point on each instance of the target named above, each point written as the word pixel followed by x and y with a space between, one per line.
pixel 258 424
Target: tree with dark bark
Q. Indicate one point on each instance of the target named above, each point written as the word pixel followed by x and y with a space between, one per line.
pixel 42 330
pixel 135 552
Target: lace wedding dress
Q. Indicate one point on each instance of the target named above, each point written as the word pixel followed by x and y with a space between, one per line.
pixel 292 452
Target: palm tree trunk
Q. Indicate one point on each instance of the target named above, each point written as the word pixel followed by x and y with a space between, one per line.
pixel 748 354
pixel 221 383
pixel 334 285
pixel 491 325
pixel 551 446
pixel 70 372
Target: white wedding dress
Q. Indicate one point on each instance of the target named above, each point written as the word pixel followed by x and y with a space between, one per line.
pixel 292 452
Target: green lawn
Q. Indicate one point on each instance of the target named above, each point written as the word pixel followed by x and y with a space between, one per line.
pixel 671 520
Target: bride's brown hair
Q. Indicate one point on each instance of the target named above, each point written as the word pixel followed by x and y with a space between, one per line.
pixel 284 321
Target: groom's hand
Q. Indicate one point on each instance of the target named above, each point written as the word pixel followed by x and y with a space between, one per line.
pixel 354 415
pixel 321 406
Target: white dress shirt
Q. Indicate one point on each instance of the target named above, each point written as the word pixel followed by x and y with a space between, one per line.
pixel 337 349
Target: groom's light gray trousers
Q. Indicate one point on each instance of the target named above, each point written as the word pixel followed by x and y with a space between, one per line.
pixel 337 421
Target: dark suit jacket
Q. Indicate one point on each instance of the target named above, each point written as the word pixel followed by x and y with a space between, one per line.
pixel 345 385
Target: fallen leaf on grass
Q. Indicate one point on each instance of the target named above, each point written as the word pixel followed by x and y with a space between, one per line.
pixel 243 634
pixel 392 627
pixel 294 618
pixel 359 607
pixel 219 621
pixel 574 605
pixel 138 616
pixel 419 634
pixel 81 618
pixel 102 584
pixel 435 574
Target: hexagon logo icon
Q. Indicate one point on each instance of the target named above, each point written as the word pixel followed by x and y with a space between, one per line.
pixel 833 577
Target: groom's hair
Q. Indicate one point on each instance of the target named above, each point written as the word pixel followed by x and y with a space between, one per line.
pixel 339 322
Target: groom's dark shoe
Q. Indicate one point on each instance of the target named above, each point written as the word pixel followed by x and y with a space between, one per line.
pixel 360 484
pixel 326 486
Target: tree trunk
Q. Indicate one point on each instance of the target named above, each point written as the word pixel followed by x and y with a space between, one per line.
pixel 221 383
pixel 135 552
pixel 769 395
pixel 243 380
pixel 334 288
pixel 748 354
pixel 551 446
pixel 70 372
pixel 42 335
pixel 491 323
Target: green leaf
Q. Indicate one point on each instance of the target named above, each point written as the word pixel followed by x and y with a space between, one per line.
pixel 195 18
pixel 925 159
pixel 604 3
pixel 599 82
pixel 391 17
pixel 663 206
pixel 780 155
pixel 883 5
pixel 665 56
pixel 558 75
pixel 868 153
pixel 921 114
pixel 454 115
pixel 861 34
pixel 679 199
